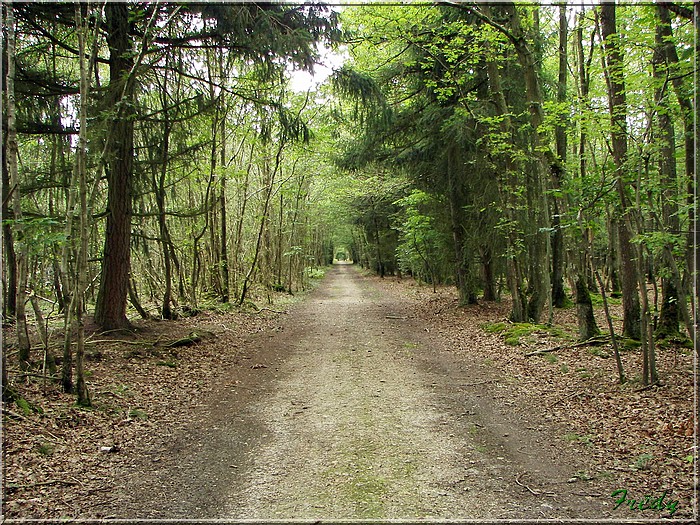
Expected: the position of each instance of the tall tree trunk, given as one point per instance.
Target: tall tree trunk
(465, 283)
(683, 88)
(110, 308)
(614, 73)
(508, 189)
(543, 165)
(9, 269)
(23, 342)
(668, 317)
(588, 327)
(558, 293)
(84, 232)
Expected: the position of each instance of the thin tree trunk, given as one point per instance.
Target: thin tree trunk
(618, 114)
(588, 327)
(84, 227)
(23, 342)
(508, 191)
(558, 293)
(263, 221)
(223, 255)
(9, 303)
(668, 317)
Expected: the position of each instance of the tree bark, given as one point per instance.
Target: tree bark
(584, 305)
(23, 343)
(684, 94)
(558, 293)
(84, 231)
(618, 115)
(508, 191)
(110, 308)
(668, 317)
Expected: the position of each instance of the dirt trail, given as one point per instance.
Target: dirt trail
(352, 409)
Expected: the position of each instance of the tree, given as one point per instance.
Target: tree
(614, 74)
(12, 148)
(110, 308)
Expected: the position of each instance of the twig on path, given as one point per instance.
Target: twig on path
(41, 484)
(575, 394)
(526, 453)
(258, 310)
(12, 414)
(402, 318)
(593, 495)
(533, 492)
(592, 341)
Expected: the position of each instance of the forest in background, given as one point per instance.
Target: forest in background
(156, 162)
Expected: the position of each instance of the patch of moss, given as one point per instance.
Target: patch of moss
(598, 352)
(630, 344)
(27, 407)
(583, 373)
(494, 328)
(138, 413)
(515, 332)
(597, 300)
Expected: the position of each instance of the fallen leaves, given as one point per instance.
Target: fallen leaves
(641, 438)
(63, 461)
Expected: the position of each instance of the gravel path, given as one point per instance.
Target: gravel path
(352, 409)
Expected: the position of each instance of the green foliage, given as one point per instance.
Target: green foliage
(421, 247)
(27, 407)
(495, 328)
(315, 273)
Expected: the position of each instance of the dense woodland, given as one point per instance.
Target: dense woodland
(156, 161)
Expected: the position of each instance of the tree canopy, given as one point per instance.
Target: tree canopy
(157, 162)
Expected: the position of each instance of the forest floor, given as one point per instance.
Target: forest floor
(369, 399)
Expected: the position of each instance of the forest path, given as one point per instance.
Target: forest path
(353, 409)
